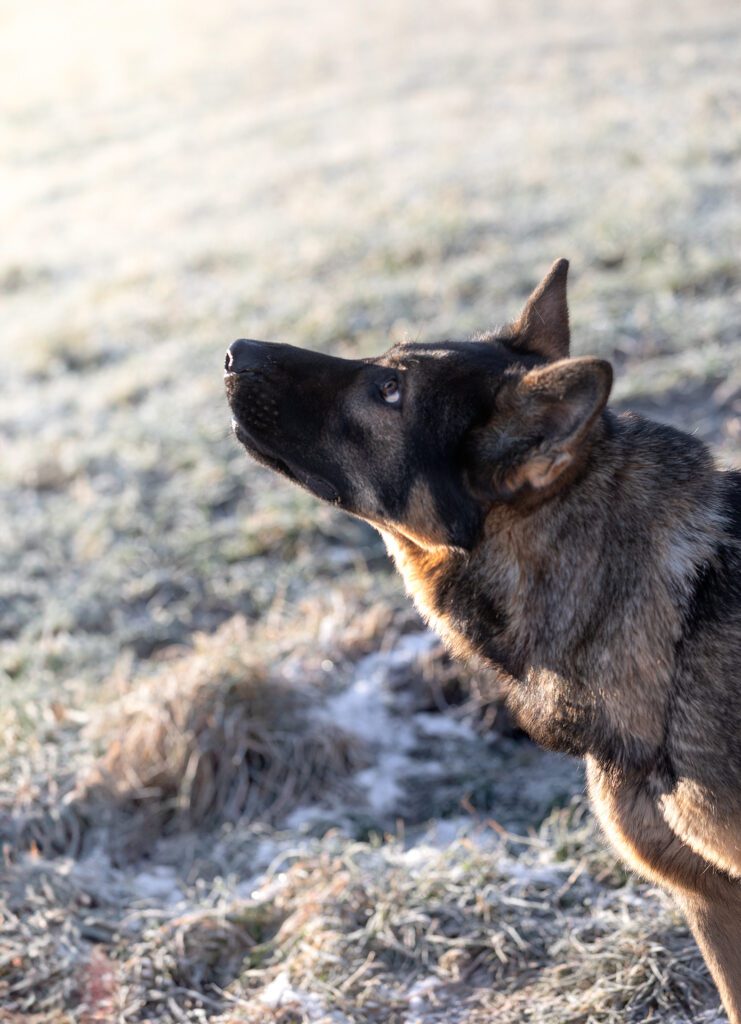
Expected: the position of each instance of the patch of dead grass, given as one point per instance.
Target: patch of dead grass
(495, 930)
(212, 737)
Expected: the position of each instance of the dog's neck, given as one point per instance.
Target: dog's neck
(581, 600)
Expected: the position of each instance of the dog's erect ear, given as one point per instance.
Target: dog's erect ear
(543, 325)
(539, 429)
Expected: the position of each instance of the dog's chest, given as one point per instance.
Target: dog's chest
(464, 605)
(471, 606)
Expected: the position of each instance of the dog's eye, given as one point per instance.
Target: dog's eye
(390, 391)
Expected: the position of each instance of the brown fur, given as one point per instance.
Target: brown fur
(594, 585)
(592, 630)
(594, 560)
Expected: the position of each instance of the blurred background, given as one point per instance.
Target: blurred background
(238, 780)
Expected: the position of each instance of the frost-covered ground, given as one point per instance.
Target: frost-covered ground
(240, 782)
(210, 876)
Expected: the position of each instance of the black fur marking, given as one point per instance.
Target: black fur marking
(462, 516)
(717, 594)
(472, 613)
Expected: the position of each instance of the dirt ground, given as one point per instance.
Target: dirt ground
(238, 781)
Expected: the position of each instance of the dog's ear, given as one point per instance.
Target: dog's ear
(542, 327)
(535, 439)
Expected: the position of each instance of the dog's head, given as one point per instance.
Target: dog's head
(424, 439)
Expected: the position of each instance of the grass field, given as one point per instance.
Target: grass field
(239, 781)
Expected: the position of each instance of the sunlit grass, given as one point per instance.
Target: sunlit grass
(178, 175)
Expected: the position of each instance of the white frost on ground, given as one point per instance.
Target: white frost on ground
(382, 784)
(418, 998)
(248, 866)
(444, 831)
(281, 994)
(443, 725)
(371, 709)
(366, 707)
(159, 883)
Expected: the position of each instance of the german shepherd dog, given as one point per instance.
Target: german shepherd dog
(592, 558)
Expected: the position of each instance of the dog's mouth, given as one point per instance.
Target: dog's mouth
(318, 485)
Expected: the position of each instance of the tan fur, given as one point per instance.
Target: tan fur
(421, 523)
(711, 831)
(594, 560)
(650, 837)
(682, 837)
(540, 472)
(716, 925)
(418, 565)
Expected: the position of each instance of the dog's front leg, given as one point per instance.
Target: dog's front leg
(716, 924)
(629, 810)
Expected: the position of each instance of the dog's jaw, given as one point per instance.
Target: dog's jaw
(316, 485)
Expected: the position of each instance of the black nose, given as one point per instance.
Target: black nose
(242, 354)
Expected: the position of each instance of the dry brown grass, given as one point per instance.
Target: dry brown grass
(176, 175)
(213, 737)
(234, 918)
(487, 928)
